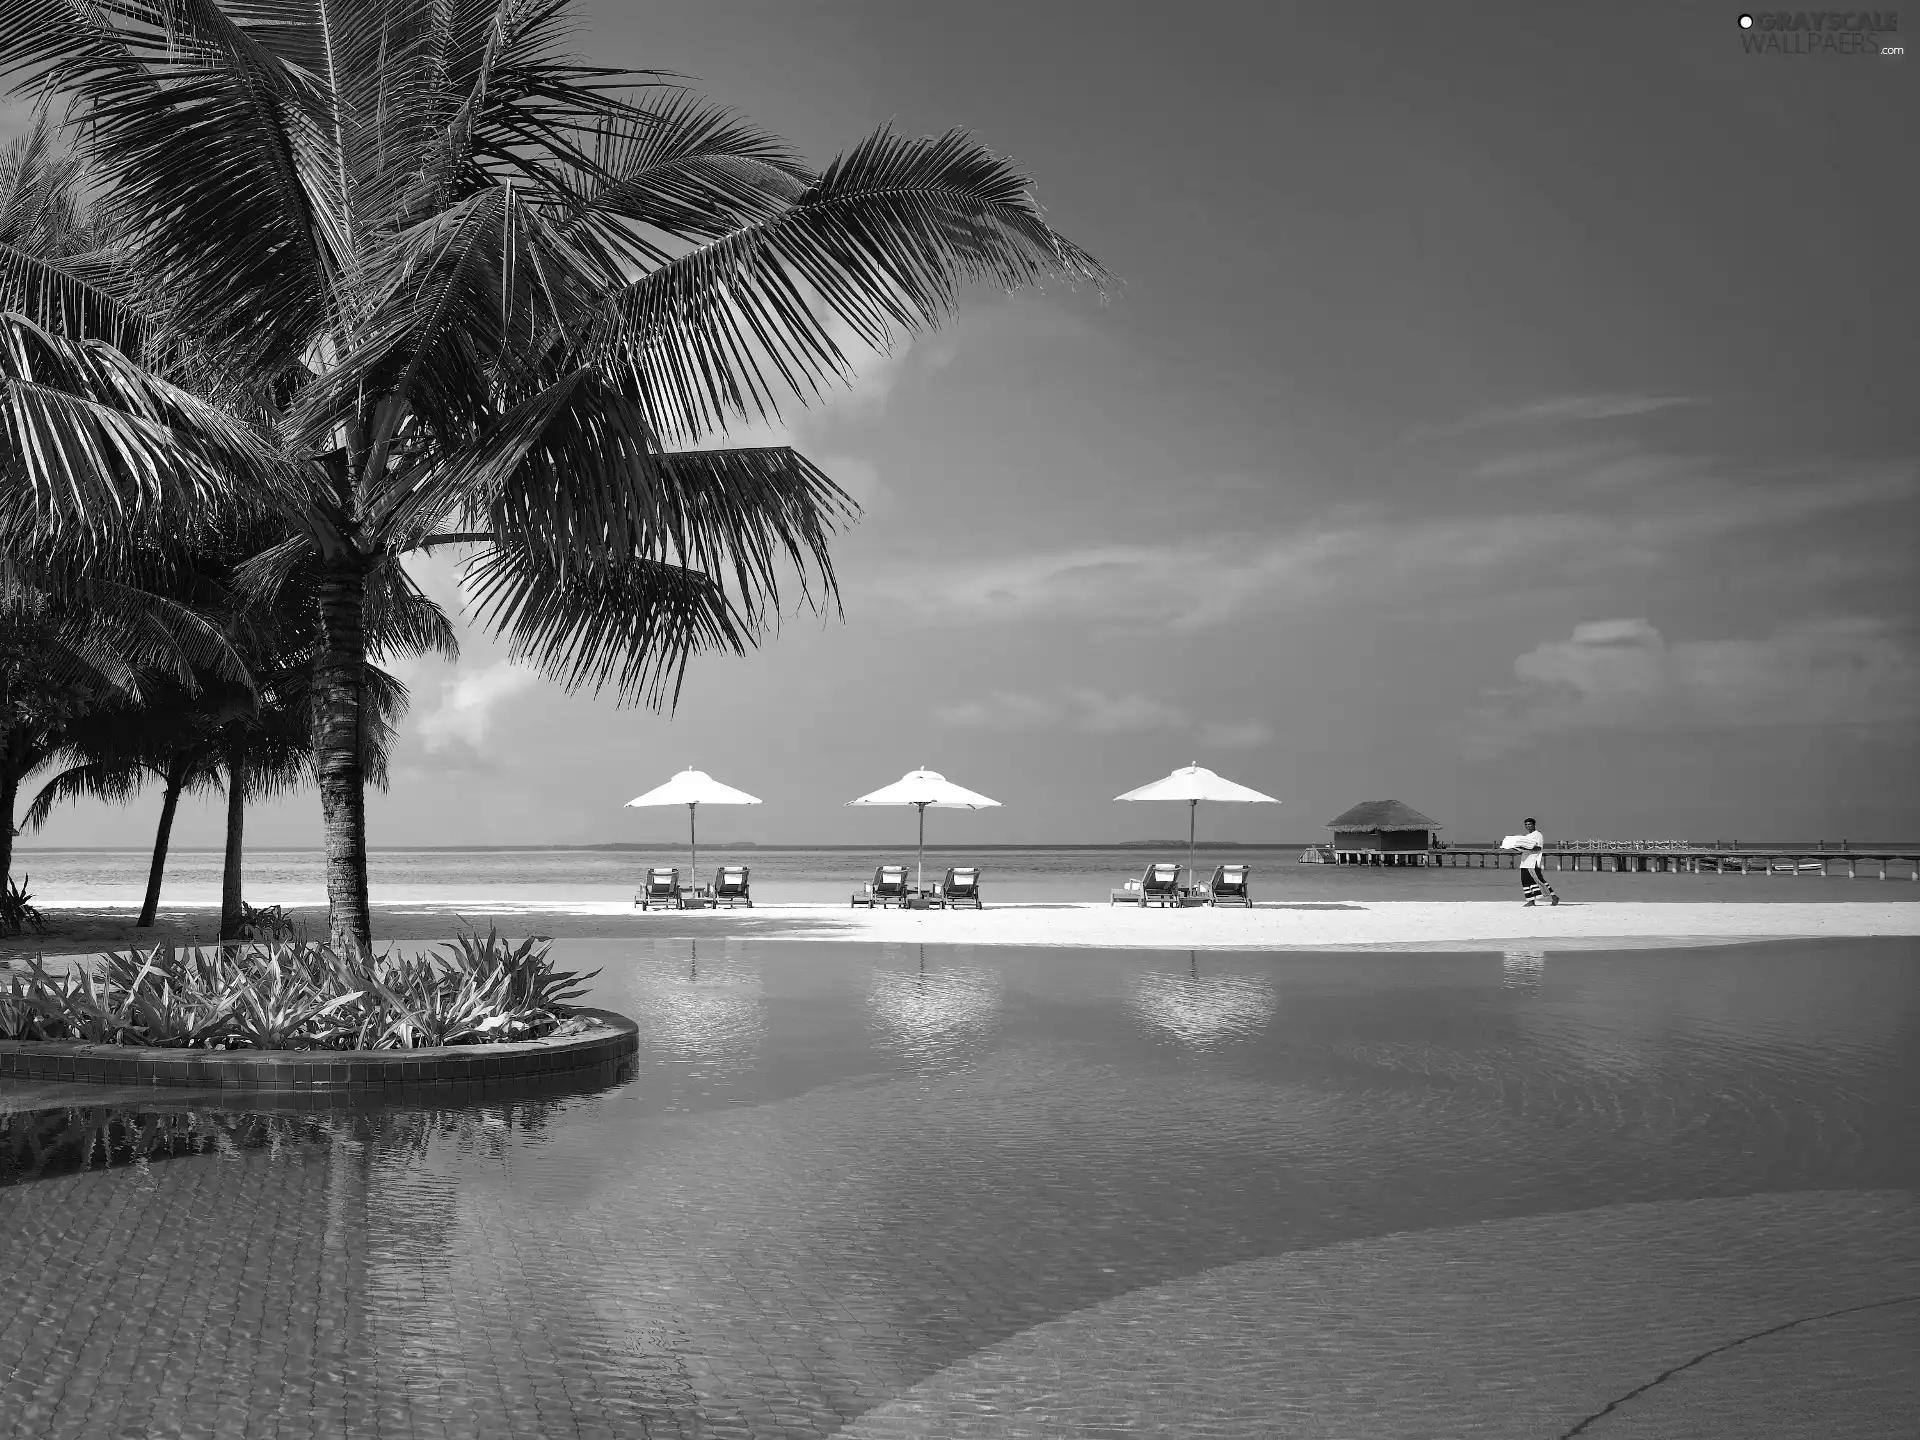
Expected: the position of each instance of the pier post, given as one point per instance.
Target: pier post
(1853, 868)
(1883, 867)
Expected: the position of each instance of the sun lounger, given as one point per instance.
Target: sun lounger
(662, 889)
(730, 886)
(960, 889)
(888, 887)
(1159, 886)
(1229, 886)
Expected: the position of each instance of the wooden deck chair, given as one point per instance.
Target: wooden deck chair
(730, 886)
(1160, 885)
(888, 887)
(1229, 886)
(960, 889)
(662, 889)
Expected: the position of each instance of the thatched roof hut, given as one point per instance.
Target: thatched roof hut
(1384, 825)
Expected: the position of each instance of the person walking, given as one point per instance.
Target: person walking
(1533, 875)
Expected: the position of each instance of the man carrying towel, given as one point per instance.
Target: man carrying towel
(1533, 879)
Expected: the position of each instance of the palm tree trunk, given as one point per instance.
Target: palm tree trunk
(176, 780)
(230, 891)
(340, 683)
(9, 795)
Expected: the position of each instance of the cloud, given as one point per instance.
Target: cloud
(1187, 585)
(467, 704)
(1091, 712)
(1614, 522)
(1236, 735)
(1101, 714)
(1565, 409)
(1094, 712)
(1001, 710)
(1626, 675)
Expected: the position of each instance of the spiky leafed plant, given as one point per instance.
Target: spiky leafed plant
(485, 296)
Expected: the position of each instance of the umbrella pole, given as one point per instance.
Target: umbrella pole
(693, 844)
(920, 864)
(1193, 809)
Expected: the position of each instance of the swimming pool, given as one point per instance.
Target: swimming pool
(874, 1190)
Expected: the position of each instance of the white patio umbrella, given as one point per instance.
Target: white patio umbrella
(1193, 784)
(920, 789)
(693, 788)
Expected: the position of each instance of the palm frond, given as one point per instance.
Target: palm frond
(584, 487)
(632, 624)
(402, 620)
(95, 780)
(62, 299)
(883, 242)
(190, 121)
(94, 440)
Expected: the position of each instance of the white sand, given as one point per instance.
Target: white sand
(1323, 925)
(1454, 924)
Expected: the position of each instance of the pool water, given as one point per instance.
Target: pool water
(880, 1190)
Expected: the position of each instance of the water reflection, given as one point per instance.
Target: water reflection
(713, 1011)
(1203, 1010)
(934, 1018)
(1522, 969)
(40, 1144)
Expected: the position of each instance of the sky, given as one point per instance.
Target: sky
(1506, 409)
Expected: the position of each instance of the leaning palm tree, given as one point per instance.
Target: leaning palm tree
(464, 291)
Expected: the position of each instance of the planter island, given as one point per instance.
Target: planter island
(590, 1039)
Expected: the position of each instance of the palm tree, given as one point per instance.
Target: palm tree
(70, 636)
(167, 735)
(252, 740)
(258, 733)
(70, 643)
(463, 291)
(270, 750)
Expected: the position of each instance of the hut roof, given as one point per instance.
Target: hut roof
(1382, 815)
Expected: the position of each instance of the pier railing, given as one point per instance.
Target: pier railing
(1654, 857)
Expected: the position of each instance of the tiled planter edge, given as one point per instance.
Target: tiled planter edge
(270, 1072)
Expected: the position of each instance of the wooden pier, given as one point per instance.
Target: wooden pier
(1665, 859)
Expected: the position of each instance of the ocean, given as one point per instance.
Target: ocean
(824, 875)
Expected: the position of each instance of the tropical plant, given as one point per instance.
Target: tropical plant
(17, 910)
(466, 292)
(270, 923)
(476, 990)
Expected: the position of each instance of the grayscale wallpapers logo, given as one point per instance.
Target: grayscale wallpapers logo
(1822, 32)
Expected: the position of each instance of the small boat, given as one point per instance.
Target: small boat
(1314, 855)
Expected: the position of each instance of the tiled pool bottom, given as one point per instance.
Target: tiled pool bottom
(1006, 1192)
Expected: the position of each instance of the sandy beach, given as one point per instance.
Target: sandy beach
(1408, 924)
